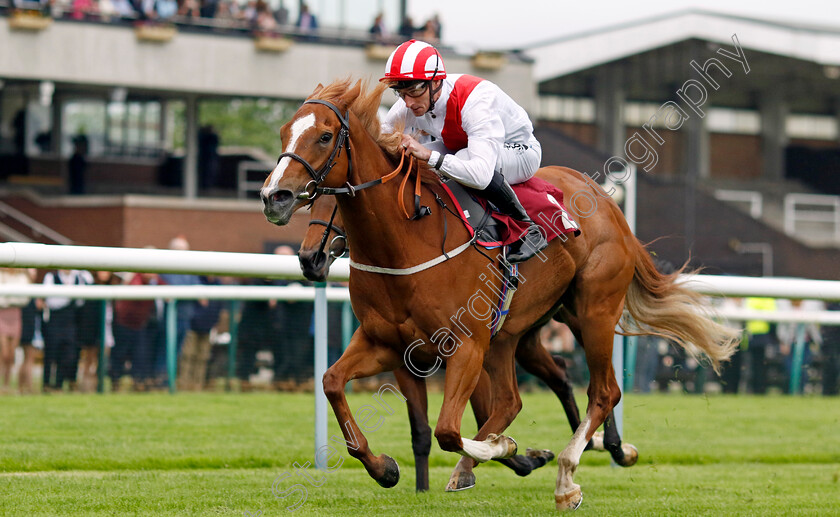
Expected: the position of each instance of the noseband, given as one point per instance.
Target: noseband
(343, 140)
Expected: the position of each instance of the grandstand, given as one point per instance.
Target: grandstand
(720, 187)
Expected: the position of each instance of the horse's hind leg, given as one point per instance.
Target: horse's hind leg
(623, 454)
(598, 313)
(413, 389)
(362, 358)
(536, 360)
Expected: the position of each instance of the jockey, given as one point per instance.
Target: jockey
(478, 135)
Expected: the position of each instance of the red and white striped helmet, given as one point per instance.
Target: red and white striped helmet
(414, 60)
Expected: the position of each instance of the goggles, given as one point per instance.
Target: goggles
(413, 89)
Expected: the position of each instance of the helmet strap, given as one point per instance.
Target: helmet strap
(433, 91)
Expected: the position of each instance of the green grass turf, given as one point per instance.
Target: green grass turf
(218, 454)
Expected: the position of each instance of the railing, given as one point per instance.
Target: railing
(754, 199)
(37, 228)
(828, 215)
(244, 183)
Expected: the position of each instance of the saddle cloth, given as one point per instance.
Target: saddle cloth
(542, 200)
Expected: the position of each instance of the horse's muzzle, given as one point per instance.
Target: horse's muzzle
(315, 265)
(278, 205)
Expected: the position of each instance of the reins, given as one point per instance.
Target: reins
(343, 140)
(318, 177)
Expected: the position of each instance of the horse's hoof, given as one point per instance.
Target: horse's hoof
(505, 441)
(460, 481)
(392, 473)
(631, 455)
(570, 500)
(540, 454)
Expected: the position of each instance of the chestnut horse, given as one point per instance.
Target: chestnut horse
(416, 312)
(326, 240)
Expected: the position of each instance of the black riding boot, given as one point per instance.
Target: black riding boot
(500, 194)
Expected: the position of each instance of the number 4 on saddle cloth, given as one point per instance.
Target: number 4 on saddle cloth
(542, 200)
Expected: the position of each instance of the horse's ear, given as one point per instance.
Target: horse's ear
(316, 91)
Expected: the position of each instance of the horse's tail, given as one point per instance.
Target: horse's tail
(659, 306)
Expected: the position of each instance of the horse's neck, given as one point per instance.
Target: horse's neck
(376, 227)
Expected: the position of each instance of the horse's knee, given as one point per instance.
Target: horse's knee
(333, 384)
(448, 439)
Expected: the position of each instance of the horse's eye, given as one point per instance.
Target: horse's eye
(326, 137)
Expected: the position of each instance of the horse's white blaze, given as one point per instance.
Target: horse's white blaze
(299, 127)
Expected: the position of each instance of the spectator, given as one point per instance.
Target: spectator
(307, 22)
(123, 9)
(189, 8)
(209, 8)
(831, 355)
(78, 164)
(196, 351)
(228, 10)
(730, 376)
(29, 320)
(84, 9)
(293, 353)
(428, 33)
(59, 330)
(184, 310)
(255, 332)
(135, 330)
(281, 14)
(265, 23)
(10, 323)
(436, 26)
(89, 323)
(761, 343)
(378, 31)
(790, 333)
(407, 28)
(249, 13)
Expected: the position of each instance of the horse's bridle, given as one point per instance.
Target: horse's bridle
(343, 140)
(330, 226)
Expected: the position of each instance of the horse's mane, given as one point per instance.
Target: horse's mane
(364, 102)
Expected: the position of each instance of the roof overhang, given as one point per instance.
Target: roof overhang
(571, 54)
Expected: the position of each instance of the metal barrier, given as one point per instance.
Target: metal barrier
(754, 199)
(829, 215)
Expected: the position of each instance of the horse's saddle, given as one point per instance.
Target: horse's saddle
(473, 213)
(542, 200)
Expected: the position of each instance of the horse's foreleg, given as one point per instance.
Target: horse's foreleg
(481, 401)
(603, 393)
(413, 389)
(462, 374)
(362, 358)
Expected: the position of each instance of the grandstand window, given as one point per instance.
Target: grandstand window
(566, 109)
(818, 127)
(134, 128)
(84, 117)
(727, 120)
(639, 113)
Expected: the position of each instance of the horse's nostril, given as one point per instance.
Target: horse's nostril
(282, 197)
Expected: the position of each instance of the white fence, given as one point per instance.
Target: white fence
(275, 266)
